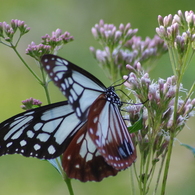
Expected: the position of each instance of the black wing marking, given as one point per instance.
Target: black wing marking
(43, 132)
(79, 86)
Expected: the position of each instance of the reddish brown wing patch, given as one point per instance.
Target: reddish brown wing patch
(82, 160)
(109, 133)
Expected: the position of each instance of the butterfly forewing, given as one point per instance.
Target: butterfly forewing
(109, 133)
(82, 160)
(42, 132)
(80, 87)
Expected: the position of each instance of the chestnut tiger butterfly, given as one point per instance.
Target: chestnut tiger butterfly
(87, 130)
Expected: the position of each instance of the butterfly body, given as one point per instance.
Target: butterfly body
(87, 130)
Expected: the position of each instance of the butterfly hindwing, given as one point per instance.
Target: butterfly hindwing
(82, 160)
(110, 134)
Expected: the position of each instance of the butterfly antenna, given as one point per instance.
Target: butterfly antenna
(119, 83)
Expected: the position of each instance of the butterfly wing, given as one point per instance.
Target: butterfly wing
(79, 86)
(109, 133)
(52, 130)
(93, 102)
(82, 160)
(43, 132)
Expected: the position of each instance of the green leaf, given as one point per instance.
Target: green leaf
(137, 125)
(190, 148)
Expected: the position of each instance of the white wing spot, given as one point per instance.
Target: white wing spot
(63, 86)
(56, 78)
(9, 144)
(89, 157)
(46, 60)
(43, 137)
(80, 139)
(23, 143)
(30, 133)
(77, 166)
(91, 131)
(37, 147)
(69, 157)
(51, 150)
(116, 158)
(47, 67)
(110, 157)
(95, 120)
(65, 62)
(38, 126)
(103, 151)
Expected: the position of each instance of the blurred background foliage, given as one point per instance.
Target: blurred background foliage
(28, 176)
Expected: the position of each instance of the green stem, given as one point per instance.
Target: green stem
(172, 59)
(45, 85)
(31, 71)
(69, 185)
(65, 177)
(132, 181)
(172, 133)
(167, 164)
(146, 172)
(159, 174)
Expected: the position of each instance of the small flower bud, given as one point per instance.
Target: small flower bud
(161, 32)
(94, 32)
(167, 20)
(160, 20)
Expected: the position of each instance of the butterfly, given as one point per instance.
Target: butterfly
(87, 130)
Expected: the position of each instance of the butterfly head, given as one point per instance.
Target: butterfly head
(112, 97)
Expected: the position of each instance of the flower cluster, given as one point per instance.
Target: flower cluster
(36, 51)
(108, 35)
(178, 30)
(30, 103)
(161, 123)
(49, 44)
(121, 46)
(161, 100)
(7, 31)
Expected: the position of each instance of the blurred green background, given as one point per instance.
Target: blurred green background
(28, 176)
